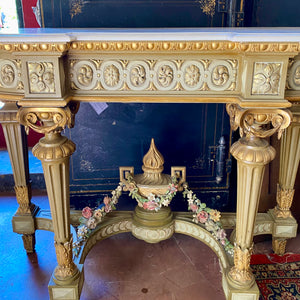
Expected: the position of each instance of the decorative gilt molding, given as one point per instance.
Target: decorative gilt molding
(46, 120)
(66, 267)
(241, 272)
(7, 117)
(253, 121)
(154, 75)
(34, 47)
(284, 200)
(177, 46)
(266, 78)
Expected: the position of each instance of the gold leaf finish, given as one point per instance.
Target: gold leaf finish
(284, 200)
(23, 195)
(66, 267)
(241, 272)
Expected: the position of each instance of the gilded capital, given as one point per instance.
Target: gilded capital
(47, 119)
(53, 146)
(256, 122)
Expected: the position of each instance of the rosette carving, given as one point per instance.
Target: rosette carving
(192, 75)
(165, 75)
(111, 75)
(46, 120)
(85, 75)
(138, 75)
(220, 75)
(257, 122)
(266, 78)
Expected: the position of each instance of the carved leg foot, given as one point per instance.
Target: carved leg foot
(279, 245)
(29, 242)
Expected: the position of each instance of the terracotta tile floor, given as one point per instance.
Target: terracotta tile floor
(120, 267)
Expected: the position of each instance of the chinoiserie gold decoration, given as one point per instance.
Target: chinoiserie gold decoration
(253, 122)
(284, 200)
(23, 195)
(46, 120)
(35, 47)
(279, 245)
(179, 46)
(241, 272)
(66, 267)
(266, 78)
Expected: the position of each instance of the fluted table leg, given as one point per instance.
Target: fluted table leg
(16, 142)
(54, 151)
(252, 153)
(285, 224)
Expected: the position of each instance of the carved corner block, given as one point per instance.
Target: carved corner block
(44, 77)
(264, 78)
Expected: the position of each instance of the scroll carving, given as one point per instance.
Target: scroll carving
(46, 120)
(256, 122)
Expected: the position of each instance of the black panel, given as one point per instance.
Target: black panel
(186, 134)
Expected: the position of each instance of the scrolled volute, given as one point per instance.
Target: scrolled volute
(47, 119)
(258, 122)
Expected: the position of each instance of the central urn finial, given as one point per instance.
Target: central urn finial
(152, 219)
(153, 160)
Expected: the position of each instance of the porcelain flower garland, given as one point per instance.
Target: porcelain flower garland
(210, 218)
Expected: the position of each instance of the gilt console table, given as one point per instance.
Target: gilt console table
(45, 74)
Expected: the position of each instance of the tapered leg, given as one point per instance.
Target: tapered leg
(252, 153)
(15, 137)
(289, 162)
(54, 151)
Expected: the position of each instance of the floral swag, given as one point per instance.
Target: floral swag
(202, 215)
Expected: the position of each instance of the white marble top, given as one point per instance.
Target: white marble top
(157, 34)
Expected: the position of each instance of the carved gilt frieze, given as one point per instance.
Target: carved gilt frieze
(41, 77)
(266, 78)
(154, 75)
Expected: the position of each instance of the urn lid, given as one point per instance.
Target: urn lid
(153, 165)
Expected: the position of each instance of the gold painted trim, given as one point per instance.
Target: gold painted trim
(202, 46)
(35, 47)
(154, 46)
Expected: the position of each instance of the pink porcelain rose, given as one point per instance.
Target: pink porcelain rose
(194, 207)
(87, 212)
(150, 205)
(202, 216)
